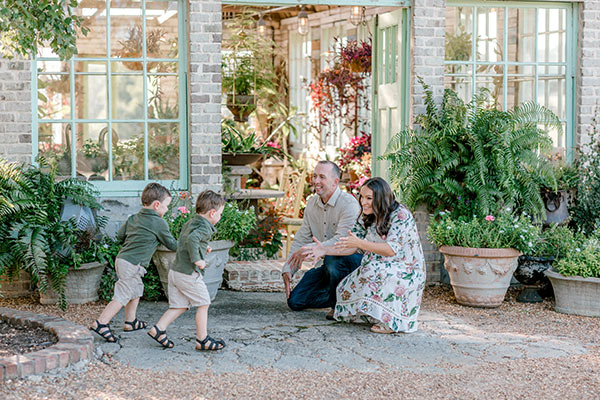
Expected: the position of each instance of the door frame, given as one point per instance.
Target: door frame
(366, 3)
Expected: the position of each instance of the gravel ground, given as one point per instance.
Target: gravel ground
(18, 340)
(574, 377)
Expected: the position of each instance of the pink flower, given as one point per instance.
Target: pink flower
(183, 210)
(490, 218)
(385, 318)
(275, 145)
(399, 291)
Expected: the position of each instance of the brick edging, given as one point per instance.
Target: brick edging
(75, 343)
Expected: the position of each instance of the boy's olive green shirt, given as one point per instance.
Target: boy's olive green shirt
(142, 233)
(193, 241)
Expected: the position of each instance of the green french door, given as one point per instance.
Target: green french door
(390, 73)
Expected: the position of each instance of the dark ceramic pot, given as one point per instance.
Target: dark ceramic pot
(530, 272)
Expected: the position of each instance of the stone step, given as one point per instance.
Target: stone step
(258, 276)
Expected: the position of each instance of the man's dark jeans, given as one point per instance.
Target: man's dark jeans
(317, 287)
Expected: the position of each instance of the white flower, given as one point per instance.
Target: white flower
(577, 249)
(442, 213)
(530, 244)
(105, 246)
(522, 237)
(448, 227)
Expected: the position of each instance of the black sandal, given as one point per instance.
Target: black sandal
(136, 325)
(210, 344)
(106, 334)
(164, 342)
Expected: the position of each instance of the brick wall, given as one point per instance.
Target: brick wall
(427, 51)
(588, 71)
(15, 110)
(205, 94)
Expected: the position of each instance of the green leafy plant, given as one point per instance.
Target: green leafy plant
(235, 223)
(27, 25)
(266, 235)
(497, 231)
(473, 158)
(555, 241)
(586, 214)
(237, 138)
(32, 236)
(582, 260)
(110, 248)
(152, 287)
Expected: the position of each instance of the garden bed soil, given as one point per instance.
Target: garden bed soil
(20, 340)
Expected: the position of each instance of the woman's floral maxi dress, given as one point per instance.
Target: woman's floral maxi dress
(386, 289)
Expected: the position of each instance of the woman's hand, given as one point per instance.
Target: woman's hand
(349, 242)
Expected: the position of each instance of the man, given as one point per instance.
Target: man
(327, 217)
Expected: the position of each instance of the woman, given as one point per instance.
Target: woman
(388, 286)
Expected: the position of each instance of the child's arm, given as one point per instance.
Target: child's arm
(196, 247)
(164, 236)
(121, 232)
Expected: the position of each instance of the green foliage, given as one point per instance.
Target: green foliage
(235, 224)
(472, 158)
(582, 260)
(586, 214)
(555, 241)
(109, 248)
(492, 231)
(152, 286)
(234, 141)
(27, 25)
(458, 46)
(31, 233)
(266, 234)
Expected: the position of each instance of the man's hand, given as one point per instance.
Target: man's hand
(295, 260)
(287, 278)
(200, 264)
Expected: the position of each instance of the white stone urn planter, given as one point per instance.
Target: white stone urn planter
(81, 285)
(164, 259)
(575, 295)
(480, 277)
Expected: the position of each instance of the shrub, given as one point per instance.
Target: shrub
(496, 232)
(582, 260)
(555, 241)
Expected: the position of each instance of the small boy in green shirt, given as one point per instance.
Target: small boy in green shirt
(186, 286)
(141, 235)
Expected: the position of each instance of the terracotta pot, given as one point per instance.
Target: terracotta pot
(164, 259)
(81, 286)
(575, 295)
(480, 277)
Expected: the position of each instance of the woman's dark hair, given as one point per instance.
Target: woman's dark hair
(384, 203)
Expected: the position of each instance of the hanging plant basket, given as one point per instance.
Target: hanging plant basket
(241, 106)
(240, 158)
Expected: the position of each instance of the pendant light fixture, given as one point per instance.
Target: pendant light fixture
(303, 22)
(357, 15)
(261, 25)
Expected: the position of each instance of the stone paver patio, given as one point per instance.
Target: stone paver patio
(261, 331)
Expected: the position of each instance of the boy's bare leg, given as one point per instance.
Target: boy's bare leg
(109, 312)
(201, 322)
(167, 318)
(130, 312)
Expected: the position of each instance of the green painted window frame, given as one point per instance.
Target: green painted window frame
(127, 187)
(570, 62)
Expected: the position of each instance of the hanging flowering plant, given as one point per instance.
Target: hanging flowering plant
(355, 160)
(342, 90)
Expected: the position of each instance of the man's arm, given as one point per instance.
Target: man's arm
(302, 238)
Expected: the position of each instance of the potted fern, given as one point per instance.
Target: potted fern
(32, 236)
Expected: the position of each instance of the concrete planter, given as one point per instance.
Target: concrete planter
(81, 286)
(480, 277)
(20, 286)
(575, 295)
(164, 259)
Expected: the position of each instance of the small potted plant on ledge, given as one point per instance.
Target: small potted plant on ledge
(576, 278)
(234, 226)
(556, 198)
(481, 253)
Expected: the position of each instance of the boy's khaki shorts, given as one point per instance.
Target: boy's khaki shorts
(187, 291)
(130, 285)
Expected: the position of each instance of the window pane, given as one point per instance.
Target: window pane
(521, 34)
(459, 33)
(163, 152)
(54, 144)
(163, 96)
(54, 96)
(128, 151)
(459, 77)
(491, 77)
(521, 85)
(162, 66)
(52, 66)
(161, 29)
(128, 96)
(552, 89)
(94, 14)
(558, 139)
(126, 29)
(490, 34)
(551, 35)
(92, 151)
(91, 101)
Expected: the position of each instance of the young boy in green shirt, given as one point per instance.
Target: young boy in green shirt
(141, 235)
(186, 286)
